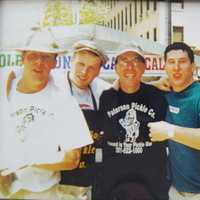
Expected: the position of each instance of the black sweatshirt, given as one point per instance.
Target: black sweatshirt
(129, 155)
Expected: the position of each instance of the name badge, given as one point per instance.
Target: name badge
(98, 155)
(174, 109)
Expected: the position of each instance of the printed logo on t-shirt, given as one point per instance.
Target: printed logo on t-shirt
(174, 109)
(27, 116)
(131, 125)
(90, 153)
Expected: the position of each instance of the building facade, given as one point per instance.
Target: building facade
(159, 21)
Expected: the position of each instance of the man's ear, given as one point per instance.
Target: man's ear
(72, 59)
(54, 66)
(99, 70)
(56, 55)
(10, 78)
(143, 68)
(116, 68)
(165, 69)
(194, 68)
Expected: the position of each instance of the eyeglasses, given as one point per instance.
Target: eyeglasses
(34, 57)
(134, 61)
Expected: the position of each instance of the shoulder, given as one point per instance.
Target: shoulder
(99, 85)
(59, 77)
(107, 99)
(155, 97)
(197, 86)
(196, 91)
(108, 95)
(153, 91)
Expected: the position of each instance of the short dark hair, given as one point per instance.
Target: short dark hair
(179, 46)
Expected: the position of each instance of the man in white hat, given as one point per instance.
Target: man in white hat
(40, 125)
(87, 60)
(86, 63)
(134, 167)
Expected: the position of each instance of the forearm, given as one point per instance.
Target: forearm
(70, 161)
(162, 84)
(187, 136)
(56, 166)
(160, 131)
(153, 83)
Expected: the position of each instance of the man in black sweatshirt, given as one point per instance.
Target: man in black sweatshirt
(134, 167)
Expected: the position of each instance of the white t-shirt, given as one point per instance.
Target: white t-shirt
(37, 125)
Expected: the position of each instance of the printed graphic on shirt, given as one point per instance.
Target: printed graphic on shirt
(26, 117)
(131, 125)
(90, 152)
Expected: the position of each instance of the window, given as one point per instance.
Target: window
(141, 9)
(135, 12)
(114, 2)
(147, 34)
(122, 20)
(118, 21)
(155, 5)
(126, 16)
(130, 10)
(155, 34)
(178, 4)
(178, 35)
(148, 5)
(115, 23)
(182, 4)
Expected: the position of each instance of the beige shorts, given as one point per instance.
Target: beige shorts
(176, 195)
(57, 192)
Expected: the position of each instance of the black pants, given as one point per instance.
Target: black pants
(126, 191)
(119, 181)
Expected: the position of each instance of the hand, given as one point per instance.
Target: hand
(115, 85)
(162, 84)
(5, 183)
(72, 158)
(160, 131)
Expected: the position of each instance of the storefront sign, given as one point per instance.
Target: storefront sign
(154, 63)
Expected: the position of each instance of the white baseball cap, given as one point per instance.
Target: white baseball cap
(133, 47)
(90, 45)
(42, 40)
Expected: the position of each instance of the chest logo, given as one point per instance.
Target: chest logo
(174, 109)
(131, 125)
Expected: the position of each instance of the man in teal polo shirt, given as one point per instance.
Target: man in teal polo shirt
(183, 111)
